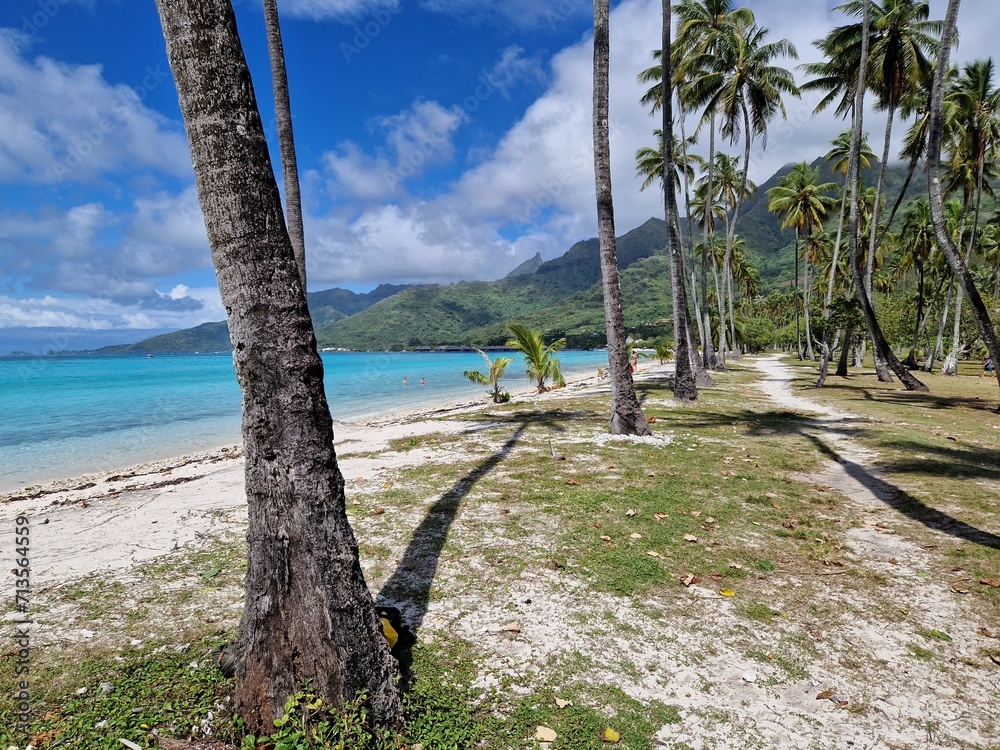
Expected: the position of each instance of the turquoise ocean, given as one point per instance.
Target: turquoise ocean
(64, 416)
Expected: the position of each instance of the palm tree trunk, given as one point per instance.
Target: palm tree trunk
(731, 224)
(879, 344)
(844, 353)
(308, 613)
(881, 368)
(798, 331)
(626, 415)
(911, 359)
(732, 315)
(836, 249)
(286, 141)
(709, 353)
(899, 201)
(684, 380)
(939, 344)
(806, 289)
(689, 235)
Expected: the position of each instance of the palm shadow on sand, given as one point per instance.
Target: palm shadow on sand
(409, 586)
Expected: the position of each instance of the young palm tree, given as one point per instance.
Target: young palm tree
(495, 369)
(935, 133)
(626, 415)
(286, 140)
(540, 362)
(308, 615)
(803, 203)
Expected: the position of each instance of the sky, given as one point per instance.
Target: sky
(437, 141)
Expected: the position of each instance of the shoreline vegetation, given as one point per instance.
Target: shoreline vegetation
(780, 563)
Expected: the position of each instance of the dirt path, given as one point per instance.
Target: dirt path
(903, 699)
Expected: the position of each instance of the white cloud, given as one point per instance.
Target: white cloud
(514, 68)
(415, 139)
(89, 249)
(62, 122)
(96, 314)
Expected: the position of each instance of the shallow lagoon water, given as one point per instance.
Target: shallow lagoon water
(64, 416)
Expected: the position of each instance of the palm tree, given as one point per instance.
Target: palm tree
(308, 615)
(902, 37)
(803, 203)
(626, 415)
(917, 242)
(540, 362)
(879, 343)
(701, 24)
(935, 133)
(286, 140)
(649, 162)
(685, 387)
(970, 125)
(495, 369)
(840, 156)
(741, 85)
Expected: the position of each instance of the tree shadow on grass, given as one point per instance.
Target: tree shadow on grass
(409, 586)
(905, 503)
(964, 460)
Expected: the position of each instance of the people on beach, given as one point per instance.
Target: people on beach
(422, 382)
(988, 370)
(404, 381)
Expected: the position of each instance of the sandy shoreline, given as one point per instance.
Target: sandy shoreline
(113, 519)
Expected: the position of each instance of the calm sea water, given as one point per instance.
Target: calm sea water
(63, 416)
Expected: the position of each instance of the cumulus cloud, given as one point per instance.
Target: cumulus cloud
(91, 250)
(414, 139)
(97, 314)
(513, 68)
(62, 122)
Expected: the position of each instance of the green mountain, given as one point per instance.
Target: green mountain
(562, 296)
(325, 307)
(529, 266)
(475, 312)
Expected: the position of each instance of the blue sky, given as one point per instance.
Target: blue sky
(438, 141)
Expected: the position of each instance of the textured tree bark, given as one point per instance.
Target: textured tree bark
(286, 141)
(308, 613)
(626, 414)
(880, 345)
(958, 265)
(685, 387)
(939, 342)
(844, 353)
